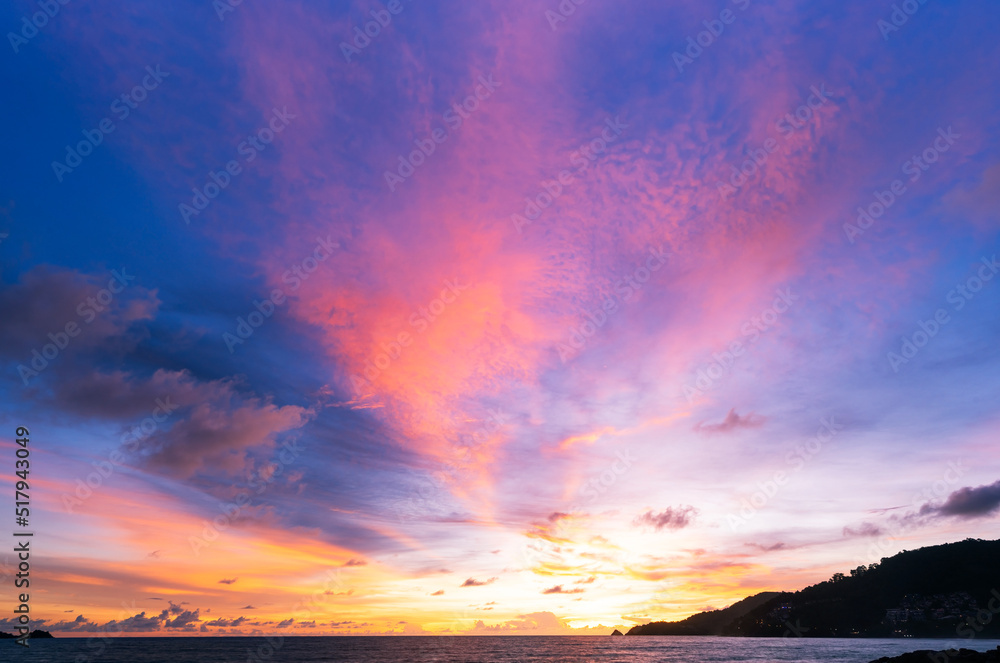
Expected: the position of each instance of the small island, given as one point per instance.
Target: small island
(37, 634)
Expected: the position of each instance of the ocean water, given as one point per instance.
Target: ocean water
(469, 649)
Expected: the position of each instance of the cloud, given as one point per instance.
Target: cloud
(81, 623)
(286, 623)
(355, 562)
(472, 582)
(865, 529)
(186, 620)
(46, 299)
(228, 581)
(671, 518)
(248, 607)
(965, 503)
(968, 502)
(770, 547)
(732, 422)
(136, 623)
(439, 592)
(207, 426)
(217, 437)
(226, 623)
(558, 589)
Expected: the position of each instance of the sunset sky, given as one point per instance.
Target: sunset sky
(474, 325)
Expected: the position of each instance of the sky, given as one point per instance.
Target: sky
(499, 317)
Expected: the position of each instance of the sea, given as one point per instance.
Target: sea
(469, 649)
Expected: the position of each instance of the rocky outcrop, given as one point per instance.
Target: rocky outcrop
(947, 656)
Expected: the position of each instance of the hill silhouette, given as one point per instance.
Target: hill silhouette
(713, 622)
(946, 591)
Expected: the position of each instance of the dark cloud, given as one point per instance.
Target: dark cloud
(218, 436)
(208, 425)
(46, 299)
(965, 503)
(558, 589)
(204, 425)
(732, 422)
(185, 620)
(355, 562)
(228, 581)
(670, 518)
(972, 502)
(136, 623)
(81, 623)
(226, 623)
(286, 623)
(472, 582)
